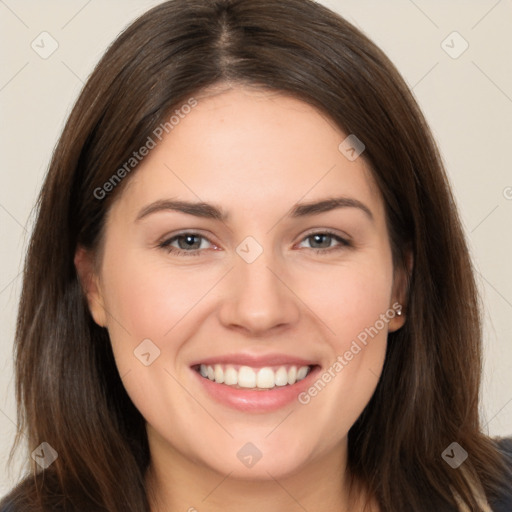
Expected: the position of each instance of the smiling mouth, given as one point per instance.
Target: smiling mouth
(246, 377)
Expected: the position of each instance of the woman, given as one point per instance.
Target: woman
(248, 283)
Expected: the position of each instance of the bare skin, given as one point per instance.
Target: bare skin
(255, 156)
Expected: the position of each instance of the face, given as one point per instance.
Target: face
(247, 284)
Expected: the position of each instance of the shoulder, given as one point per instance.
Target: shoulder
(505, 445)
(503, 503)
(18, 499)
(6, 505)
(24, 497)
(41, 493)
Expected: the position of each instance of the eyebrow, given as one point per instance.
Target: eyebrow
(209, 211)
(326, 205)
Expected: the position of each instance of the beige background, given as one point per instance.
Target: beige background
(467, 100)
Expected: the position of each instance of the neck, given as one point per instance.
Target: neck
(177, 484)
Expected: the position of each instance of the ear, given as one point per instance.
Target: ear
(400, 293)
(87, 274)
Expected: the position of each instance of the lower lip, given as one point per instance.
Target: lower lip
(254, 400)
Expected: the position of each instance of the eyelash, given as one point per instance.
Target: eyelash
(166, 244)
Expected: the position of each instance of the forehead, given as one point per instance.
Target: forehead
(250, 149)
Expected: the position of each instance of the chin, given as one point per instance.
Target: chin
(259, 459)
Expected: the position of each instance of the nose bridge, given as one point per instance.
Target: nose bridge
(255, 298)
(255, 278)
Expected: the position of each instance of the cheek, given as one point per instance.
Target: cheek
(352, 302)
(348, 299)
(150, 299)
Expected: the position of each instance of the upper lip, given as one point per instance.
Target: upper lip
(255, 361)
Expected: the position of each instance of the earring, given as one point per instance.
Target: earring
(399, 312)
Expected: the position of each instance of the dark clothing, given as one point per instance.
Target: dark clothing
(504, 502)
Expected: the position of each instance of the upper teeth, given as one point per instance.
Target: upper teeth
(247, 377)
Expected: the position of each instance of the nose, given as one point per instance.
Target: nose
(257, 298)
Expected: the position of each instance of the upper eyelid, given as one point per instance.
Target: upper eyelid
(342, 240)
(327, 231)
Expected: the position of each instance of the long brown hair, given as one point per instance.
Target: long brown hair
(69, 392)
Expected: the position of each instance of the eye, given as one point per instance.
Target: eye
(324, 241)
(188, 244)
(192, 244)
